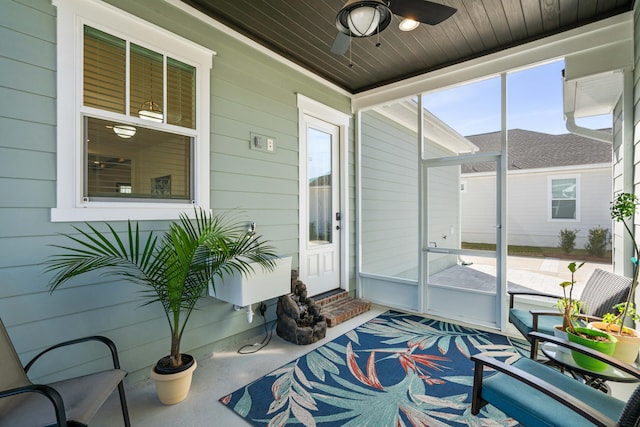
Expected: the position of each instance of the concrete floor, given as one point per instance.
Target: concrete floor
(542, 274)
(225, 371)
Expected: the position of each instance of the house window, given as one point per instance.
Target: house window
(564, 198)
(133, 143)
(124, 150)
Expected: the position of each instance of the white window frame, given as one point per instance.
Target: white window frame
(550, 180)
(72, 15)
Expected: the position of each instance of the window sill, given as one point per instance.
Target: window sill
(134, 212)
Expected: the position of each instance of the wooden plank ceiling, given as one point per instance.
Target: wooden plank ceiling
(304, 30)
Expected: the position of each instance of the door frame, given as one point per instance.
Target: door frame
(310, 107)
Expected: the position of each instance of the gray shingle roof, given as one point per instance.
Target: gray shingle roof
(531, 150)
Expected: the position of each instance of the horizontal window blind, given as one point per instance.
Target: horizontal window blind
(104, 71)
(181, 94)
(147, 71)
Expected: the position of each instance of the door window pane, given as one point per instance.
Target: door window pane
(320, 170)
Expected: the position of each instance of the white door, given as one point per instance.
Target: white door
(450, 275)
(320, 202)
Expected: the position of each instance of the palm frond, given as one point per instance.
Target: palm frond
(174, 270)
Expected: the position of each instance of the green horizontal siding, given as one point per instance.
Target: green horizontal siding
(27, 78)
(27, 135)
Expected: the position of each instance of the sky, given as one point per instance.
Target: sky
(534, 102)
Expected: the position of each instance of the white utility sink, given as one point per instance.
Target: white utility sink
(259, 286)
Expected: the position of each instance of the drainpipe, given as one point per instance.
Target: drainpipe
(598, 135)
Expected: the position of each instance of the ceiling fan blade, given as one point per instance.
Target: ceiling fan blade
(340, 44)
(423, 11)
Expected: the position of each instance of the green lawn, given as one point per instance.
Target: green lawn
(542, 252)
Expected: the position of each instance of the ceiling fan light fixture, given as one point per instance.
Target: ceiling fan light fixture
(124, 131)
(363, 21)
(151, 111)
(363, 18)
(408, 24)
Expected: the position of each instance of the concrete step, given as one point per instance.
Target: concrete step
(340, 307)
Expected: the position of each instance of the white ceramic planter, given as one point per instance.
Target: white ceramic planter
(627, 346)
(173, 388)
(562, 335)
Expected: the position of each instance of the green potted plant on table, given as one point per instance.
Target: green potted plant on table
(623, 209)
(568, 306)
(593, 338)
(174, 270)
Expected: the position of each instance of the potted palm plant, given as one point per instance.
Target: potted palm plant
(174, 270)
(623, 209)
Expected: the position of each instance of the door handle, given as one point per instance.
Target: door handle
(437, 250)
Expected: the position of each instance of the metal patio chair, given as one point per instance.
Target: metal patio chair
(602, 291)
(536, 394)
(71, 402)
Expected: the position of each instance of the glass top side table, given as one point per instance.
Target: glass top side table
(564, 360)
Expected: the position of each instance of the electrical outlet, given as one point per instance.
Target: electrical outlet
(264, 143)
(263, 309)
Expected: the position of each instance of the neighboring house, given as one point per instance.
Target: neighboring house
(554, 182)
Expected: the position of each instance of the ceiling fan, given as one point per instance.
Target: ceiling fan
(363, 18)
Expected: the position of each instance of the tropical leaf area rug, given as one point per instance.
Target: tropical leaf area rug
(395, 370)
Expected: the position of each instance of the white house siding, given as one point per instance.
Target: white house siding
(251, 92)
(389, 234)
(478, 224)
(528, 206)
(442, 209)
(389, 165)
